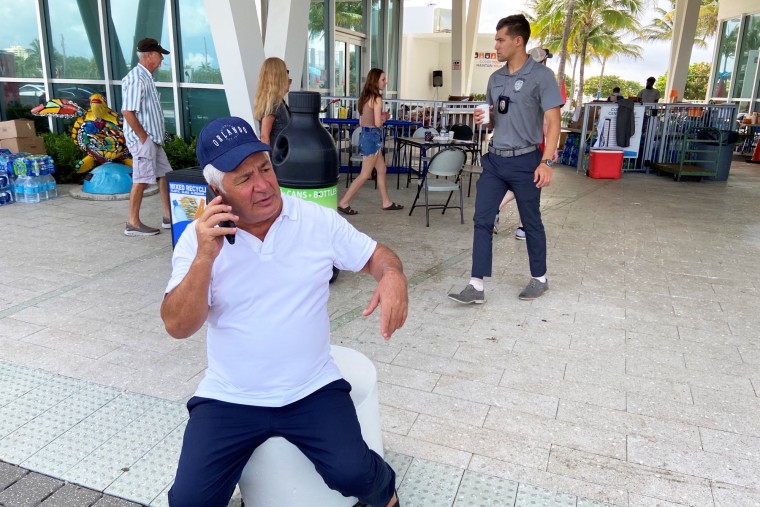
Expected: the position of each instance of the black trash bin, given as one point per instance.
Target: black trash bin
(723, 143)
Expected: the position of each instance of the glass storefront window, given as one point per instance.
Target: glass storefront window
(200, 106)
(725, 63)
(746, 75)
(198, 57)
(128, 22)
(318, 77)
(17, 99)
(167, 105)
(349, 14)
(75, 40)
(19, 44)
(340, 69)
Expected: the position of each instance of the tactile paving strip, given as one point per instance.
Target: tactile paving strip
(585, 502)
(531, 496)
(399, 463)
(478, 490)
(429, 484)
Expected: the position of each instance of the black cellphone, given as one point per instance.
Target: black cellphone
(503, 104)
(210, 194)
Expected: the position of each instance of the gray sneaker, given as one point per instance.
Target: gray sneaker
(496, 224)
(469, 295)
(166, 223)
(520, 233)
(141, 230)
(534, 290)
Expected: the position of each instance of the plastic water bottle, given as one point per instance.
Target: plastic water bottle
(41, 184)
(32, 189)
(19, 188)
(179, 212)
(52, 186)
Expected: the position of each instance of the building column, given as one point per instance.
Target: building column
(237, 37)
(287, 31)
(458, 46)
(684, 29)
(468, 62)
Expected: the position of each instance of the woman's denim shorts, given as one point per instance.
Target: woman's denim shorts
(370, 141)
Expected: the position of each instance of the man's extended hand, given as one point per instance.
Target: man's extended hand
(543, 175)
(391, 295)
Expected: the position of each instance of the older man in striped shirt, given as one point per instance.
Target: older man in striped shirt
(144, 133)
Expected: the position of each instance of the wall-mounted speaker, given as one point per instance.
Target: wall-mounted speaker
(437, 78)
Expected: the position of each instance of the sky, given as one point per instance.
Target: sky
(655, 56)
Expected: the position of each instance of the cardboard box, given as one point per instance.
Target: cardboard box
(34, 145)
(17, 128)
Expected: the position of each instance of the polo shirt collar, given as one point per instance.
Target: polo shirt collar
(289, 209)
(525, 69)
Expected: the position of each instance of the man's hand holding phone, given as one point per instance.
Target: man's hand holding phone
(216, 221)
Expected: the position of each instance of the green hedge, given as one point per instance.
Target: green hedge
(65, 155)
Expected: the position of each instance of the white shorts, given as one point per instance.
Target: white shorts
(148, 162)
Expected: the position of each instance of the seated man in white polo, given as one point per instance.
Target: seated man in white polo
(265, 301)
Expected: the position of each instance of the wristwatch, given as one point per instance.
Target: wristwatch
(549, 162)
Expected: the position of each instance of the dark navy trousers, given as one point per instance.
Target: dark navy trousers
(499, 175)
(220, 438)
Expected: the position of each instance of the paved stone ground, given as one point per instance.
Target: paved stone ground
(633, 382)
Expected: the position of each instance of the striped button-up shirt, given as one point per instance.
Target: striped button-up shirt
(139, 94)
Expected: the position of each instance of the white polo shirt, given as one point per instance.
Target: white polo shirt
(268, 339)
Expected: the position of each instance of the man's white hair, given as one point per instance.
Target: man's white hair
(213, 176)
(141, 55)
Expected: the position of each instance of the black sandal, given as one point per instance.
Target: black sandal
(348, 210)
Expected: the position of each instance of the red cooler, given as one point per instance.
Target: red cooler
(605, 164)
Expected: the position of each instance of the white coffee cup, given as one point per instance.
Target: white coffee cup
(451, 134)
(486, 112)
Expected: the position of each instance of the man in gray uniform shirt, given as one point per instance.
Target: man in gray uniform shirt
(523, 95)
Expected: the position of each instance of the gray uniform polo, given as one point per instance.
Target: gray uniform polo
(532, 90)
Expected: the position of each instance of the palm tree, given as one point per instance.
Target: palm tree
(594, 23)
(565, 40)
(609, 45)
(661, 27)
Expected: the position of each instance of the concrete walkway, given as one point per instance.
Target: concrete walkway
(633, 382)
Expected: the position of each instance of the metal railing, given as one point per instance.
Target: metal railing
(437, 114)
(663, 130)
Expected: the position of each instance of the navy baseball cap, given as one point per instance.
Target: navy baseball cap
(226, 142)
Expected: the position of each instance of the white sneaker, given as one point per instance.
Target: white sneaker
(520, 233)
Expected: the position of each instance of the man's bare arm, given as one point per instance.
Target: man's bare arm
(131, 118)
(391, 291)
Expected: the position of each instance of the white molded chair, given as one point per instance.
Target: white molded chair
(444, 164)
(278, 474)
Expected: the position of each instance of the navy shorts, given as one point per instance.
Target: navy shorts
(370, 141)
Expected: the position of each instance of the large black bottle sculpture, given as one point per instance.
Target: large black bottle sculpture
(304, 154)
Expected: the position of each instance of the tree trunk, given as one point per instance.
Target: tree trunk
(601, 76)
(565, 41)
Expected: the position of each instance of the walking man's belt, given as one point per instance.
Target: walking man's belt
(512, 153)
